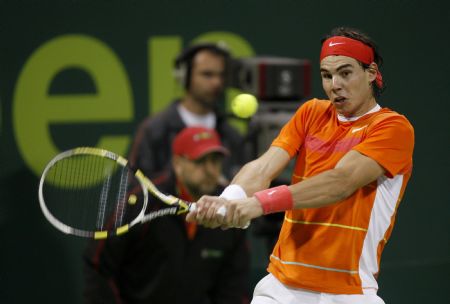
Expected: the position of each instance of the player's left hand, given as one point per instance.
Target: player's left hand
(238, 212)
(207, 212)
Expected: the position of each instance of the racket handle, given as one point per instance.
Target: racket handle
(221, 211)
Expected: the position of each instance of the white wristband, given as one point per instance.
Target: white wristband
(233, 191)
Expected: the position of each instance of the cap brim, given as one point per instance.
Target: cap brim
(203, 152)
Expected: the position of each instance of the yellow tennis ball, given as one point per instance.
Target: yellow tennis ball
(244, 105)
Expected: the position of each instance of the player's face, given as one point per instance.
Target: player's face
(207, 78)
(347, 85)
(200, 176)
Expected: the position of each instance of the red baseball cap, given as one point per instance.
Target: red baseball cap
(195, 142)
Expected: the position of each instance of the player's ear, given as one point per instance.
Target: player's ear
(372, 71)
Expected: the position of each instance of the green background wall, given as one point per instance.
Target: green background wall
(125, 43)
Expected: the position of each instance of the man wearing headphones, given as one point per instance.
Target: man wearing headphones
(201, 70)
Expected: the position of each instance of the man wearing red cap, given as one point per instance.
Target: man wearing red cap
(169, 260)
(353, 161)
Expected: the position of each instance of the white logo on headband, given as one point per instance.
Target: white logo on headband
(335, 43)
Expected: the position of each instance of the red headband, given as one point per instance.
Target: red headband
(344, 46)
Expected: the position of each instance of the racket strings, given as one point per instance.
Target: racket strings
(91, 193)
(121, 204)
(103, 202)
(81, 182)
(69, 177)
(102, 214)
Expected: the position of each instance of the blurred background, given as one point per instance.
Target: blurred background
(79, 72)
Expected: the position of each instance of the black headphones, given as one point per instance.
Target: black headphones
(183, 62)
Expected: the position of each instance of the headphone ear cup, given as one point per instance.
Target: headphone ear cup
(180, 74)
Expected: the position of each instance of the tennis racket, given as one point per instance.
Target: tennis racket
(95, 193)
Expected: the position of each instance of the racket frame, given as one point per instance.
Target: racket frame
(177, 205)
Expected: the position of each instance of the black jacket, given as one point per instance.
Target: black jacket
(157, 263)
(151, 151)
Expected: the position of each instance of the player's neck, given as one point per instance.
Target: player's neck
(367, 109)
(192, 105)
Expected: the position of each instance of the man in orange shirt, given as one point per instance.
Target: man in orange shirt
(353, 161)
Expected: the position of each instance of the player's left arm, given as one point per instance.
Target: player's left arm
(352, 172)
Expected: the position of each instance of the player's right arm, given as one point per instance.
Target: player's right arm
(259, 173)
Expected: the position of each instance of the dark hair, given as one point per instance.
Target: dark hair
(183, 62)
(364, 38)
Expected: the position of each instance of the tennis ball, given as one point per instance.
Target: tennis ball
(244, 105)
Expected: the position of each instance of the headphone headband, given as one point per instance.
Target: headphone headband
(183, 62)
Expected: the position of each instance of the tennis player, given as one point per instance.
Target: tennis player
(353, 161)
